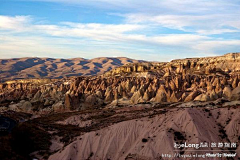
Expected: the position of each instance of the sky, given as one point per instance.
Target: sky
(154, 30)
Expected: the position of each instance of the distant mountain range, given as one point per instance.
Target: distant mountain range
(34, 67)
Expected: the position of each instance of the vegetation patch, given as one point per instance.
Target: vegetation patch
(25, 138)
(144, 140)
(222, 132)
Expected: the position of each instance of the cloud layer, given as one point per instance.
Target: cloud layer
(176, 28)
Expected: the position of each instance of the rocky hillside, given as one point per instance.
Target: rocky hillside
(22, 68)
(139, 132)
(177, 81)
(152, 134)
(136, 111)
(46, 96)
(226, 64)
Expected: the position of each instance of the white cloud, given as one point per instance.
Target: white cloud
(17, 23)
(31, 46)
(180, 39)
(217, 31)
(22, 36)
(101, 32)
(96, 31)
(136, 37)
(202, 24)
(199, 16)
(217, 45)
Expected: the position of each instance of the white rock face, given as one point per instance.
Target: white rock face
(125, 139)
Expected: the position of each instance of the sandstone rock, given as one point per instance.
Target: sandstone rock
(213, 95)
(227, 92)
(186, 85)
(92, 101)
(210, 88)
(68, 102)
(125, 94)
(146, 96)
(99, 94)
(202, 98)
(235, 82)
(208, 70)
(218, 88)
(161, 95)
(36, 97)
(59, 107)
(3, 109)
(220, 93)
(120, 89)
(48, 102)
(128, 86)
(179, 68)
(236, 94)
(26, 107)
(194, 86)
(166, 84)
(172, 85)
(168, 73)
(14, 107)
(224, 81)
(202, 84)
(136, 97)
(133, 89)
(119, 102)
(173, 98)
(116, 94)
(178, 82)
(215, 82)
(191, 96)
(109, 97)
(108, 90)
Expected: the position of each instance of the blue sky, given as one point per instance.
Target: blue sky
(156, 30)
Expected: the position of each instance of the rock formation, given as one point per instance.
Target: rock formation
(136, 111)
(99, 91)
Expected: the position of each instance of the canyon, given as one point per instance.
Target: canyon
(128, 109)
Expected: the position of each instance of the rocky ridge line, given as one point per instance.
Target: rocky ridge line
(178, 82)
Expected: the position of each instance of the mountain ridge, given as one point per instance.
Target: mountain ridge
(55, 68)
(36, 67)
(224, 64)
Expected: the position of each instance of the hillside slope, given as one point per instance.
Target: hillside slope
(151, 137)
(136, 111)
(228, 63)
(22, 68)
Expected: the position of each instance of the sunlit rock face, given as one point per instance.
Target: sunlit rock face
(195, 79)
(221, 64)
(136, 111)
